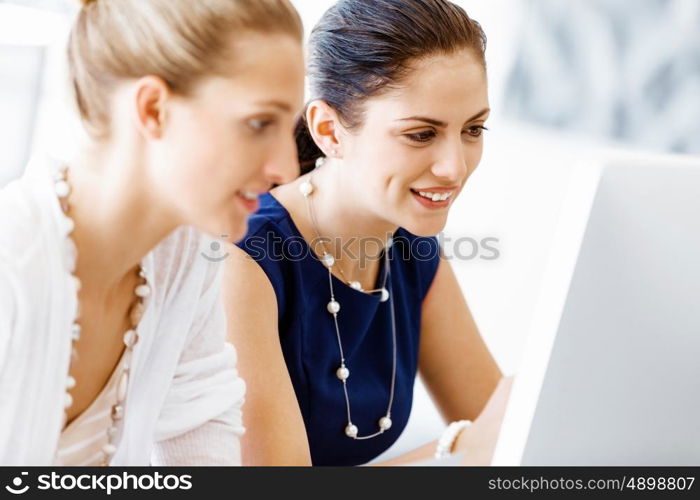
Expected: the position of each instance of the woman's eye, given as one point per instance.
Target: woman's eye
(476, 131)
(422, 136)
(258, 125)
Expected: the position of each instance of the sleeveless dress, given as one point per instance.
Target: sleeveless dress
(309, 342)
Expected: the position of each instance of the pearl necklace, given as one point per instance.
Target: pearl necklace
(333, 307)
(131, 337)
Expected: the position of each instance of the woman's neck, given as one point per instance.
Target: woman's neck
(117, 220)
(351, 233)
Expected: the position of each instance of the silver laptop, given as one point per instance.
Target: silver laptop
(611, 374)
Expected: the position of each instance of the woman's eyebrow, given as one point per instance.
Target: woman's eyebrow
(282, 106)
(430, 121)
(441, 124)
(480, 114)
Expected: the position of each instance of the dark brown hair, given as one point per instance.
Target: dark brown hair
(361, 48)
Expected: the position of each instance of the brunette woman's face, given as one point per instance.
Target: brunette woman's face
(233, 139)
(419, 143)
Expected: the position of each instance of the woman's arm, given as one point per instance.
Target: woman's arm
(454, 362)
(275, 432)
(201, 420)
(458, 371)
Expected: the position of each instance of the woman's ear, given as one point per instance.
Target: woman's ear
(324, 125)
(151, 97)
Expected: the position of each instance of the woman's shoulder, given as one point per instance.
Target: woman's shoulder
(20, 220)
(30, 225)
(419, 258)
(271, 234)
(185, 259)
(275, 244)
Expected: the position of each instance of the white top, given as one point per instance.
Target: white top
(183, 404)
(82, 439)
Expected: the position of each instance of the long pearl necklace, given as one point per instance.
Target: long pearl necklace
(131, 337)
(333, 307)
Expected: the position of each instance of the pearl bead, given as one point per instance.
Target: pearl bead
(69, 260)
(77, 283)
(143, 291)
(74, 355)
(62, 189)
(356, 285)
(342, 373)
(70, 382)
(306, 188)
(70, 226)
(136, 313)
(67, 400)
(328, 260)
(320, 161)
(109, 449)
(351, 431)
(112, 431)
(385, 295)
(131, 338)
(333, 307)
(75, 332)
(117, 412)
(385, 423)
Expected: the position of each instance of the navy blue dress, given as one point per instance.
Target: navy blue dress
(308, 337)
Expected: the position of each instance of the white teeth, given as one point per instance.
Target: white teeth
(249, 195)
(436, 196)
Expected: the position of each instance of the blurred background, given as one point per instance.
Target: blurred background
(566, 79)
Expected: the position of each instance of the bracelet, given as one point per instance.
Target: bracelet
(448, 438)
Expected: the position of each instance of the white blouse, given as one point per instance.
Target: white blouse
(183, 403)
(82, 439)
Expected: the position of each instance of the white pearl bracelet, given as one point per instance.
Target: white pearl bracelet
(448, 438)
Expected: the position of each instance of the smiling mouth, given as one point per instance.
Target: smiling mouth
(248, 195)
(433, 196)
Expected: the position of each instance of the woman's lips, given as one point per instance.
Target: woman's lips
(250, 204)
(434, 198)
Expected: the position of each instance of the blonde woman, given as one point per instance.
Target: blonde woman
(112, 334)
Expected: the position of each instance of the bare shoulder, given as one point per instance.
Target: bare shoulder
(246, 286)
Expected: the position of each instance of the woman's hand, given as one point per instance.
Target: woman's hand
(478, 441)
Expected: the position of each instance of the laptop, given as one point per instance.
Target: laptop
(611, 372)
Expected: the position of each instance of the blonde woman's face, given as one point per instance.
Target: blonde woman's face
(233, 138)
(420, 143)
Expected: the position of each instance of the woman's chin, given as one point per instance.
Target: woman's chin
(231, 231)
(425, 228)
